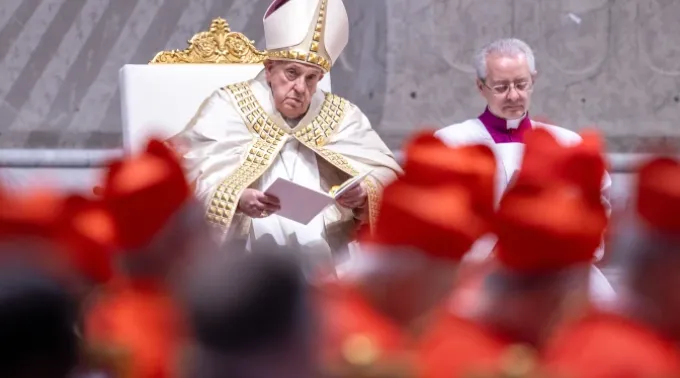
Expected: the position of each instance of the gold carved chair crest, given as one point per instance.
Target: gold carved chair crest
(217, 45)
(160, 98)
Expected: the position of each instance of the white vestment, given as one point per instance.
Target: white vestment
(509, 159)
(238, 140)
(298, 164)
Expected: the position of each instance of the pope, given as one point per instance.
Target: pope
(282, 125)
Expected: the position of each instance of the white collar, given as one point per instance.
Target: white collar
(514, 123)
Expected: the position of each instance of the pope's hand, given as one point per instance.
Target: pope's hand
(257, 204)
(354, 198)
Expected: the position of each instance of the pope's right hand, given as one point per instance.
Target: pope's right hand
(257, 204)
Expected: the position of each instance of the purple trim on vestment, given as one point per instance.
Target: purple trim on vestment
(497, 127)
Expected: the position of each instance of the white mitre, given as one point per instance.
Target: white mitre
(308, 31)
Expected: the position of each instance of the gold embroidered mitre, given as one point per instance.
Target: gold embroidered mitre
(308, 31)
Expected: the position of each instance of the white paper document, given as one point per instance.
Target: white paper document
(301, 204)
(349, 185)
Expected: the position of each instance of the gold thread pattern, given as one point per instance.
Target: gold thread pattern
(374, 198)
(302, 56)
(312, 53)
(336, 159)
(318, 132)
(217, 45)
(316, 135)
(316, 38)
(343, 164)
(268, 139)
(225, 199)
(257, 120)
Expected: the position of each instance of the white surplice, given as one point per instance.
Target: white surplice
(296, 163)
(509, 160)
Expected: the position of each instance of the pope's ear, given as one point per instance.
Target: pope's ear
(268, 66)
(534, 76)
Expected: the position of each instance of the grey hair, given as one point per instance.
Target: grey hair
(504, 47)
(504, 282)
(636, 245)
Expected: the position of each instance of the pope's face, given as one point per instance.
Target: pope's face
(292, 85)
(508, 85)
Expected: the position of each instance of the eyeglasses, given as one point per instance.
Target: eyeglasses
(501, 89)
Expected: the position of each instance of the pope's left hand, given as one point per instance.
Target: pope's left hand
(354, 198)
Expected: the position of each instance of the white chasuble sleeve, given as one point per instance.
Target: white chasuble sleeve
(213, 143)
(362, 147)
(360, 143)
(213, 148)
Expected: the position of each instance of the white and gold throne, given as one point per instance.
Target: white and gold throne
(160, 98)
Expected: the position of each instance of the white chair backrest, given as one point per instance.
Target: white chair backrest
(159, 100)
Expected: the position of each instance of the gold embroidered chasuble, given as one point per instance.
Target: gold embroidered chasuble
(237, 136)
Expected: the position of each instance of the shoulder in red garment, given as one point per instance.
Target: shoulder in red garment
(604, 345)
(457, 347)
(358, 340)
(141, 319)
(346, 314)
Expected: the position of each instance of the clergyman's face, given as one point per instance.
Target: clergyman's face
(292, 85)
(508, 85)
